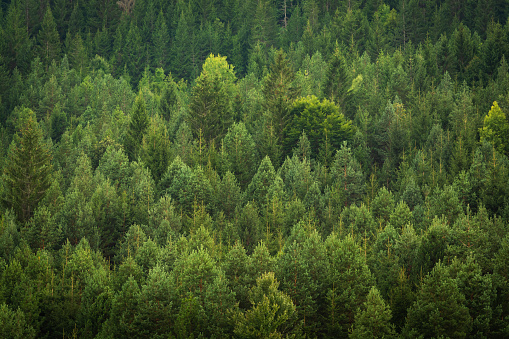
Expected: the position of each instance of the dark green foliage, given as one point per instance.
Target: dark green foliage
(262, 180)
(191, 197)
(13, 324)
(27, 172)
(279, 91)
(346, 176)
(337, 83)
(137, 127)
(440, 308)
(185, 186)
(48, 39)
(241, 153)
(156, 147)
(303, 269)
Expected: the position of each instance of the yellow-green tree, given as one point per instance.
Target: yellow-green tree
(496, 129)
(210, 109)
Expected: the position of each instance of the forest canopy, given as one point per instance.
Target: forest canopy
(254, 169)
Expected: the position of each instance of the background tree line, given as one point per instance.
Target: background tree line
(254, 169)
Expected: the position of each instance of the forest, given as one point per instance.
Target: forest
(254, 169)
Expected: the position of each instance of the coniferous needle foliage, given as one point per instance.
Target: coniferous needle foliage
(27, 171)
(254, 169)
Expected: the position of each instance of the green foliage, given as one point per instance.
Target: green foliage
(156, 147)
(262, 180)
(279, 92)
(196, 205)
(373, 320)
(272, 314)
(240, 153)
(440, 308)
(13, 324)
(210, 109)
(321, 121)
(48, 39)
(137, 128)
(496, 129)
(27, 172)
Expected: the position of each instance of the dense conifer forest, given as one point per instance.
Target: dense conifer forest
(254, 169)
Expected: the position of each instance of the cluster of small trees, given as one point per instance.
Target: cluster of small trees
(328, 171)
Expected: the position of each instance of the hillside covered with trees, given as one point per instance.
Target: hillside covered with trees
(254, 169)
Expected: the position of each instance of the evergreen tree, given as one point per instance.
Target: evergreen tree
(27, 172)
(156, 147)
(134, 50)
(183, 53)
(48, 39)
(496, 129)
(161, 41)
(137, 127)
(240, 152)
(439, 309)
(210, 109)
(279, 91)
(16, 46)
(13, 324)
(373, 320)
(272, 314)
(262, 180)
(337, 82)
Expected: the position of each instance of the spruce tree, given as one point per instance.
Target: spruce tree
(137, 127)
(279, 91)
(48, 38)
(27, 172)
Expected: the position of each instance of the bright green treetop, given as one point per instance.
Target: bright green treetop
(496, 129)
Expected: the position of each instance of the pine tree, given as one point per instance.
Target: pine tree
(182, 60)
(14, 324)
(439, 309)
(262, 180)
(337, 83)
(272, 313)
(28, 169)
(156, 147)
(373, 320)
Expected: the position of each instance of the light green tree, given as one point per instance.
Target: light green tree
(373, 319)
(210, 108)
(272, 313)
(496, 129)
